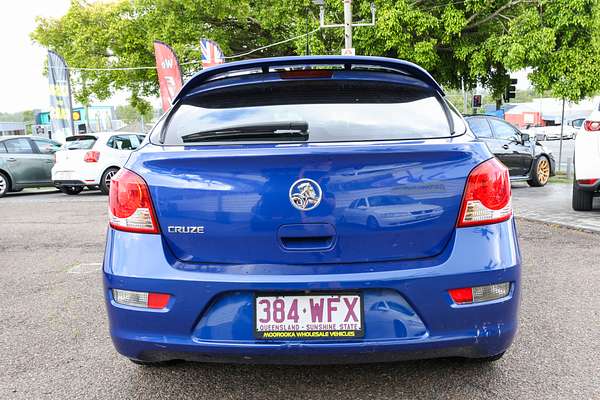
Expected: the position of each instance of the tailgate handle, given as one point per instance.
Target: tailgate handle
(307, 237)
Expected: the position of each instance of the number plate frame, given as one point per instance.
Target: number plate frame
(310, 334)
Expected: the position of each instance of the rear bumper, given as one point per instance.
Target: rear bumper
(588, 188)
(552, 165)
(83, 176)
(408, 313)
(59, 184)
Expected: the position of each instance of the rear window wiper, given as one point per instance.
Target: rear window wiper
(286, 130)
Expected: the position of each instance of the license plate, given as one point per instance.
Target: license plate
(308, 316)
(62, 175)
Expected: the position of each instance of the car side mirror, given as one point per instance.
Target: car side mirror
(524, 138)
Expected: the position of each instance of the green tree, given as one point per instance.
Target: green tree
(478, 41)
(129, 114)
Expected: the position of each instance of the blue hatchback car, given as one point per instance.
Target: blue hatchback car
(311, 210)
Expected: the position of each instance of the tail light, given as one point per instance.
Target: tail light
(591, 126)
(141, 299)
(129, 205)
(91, 156)
(587, 181)
(479, 294)
(487, 197)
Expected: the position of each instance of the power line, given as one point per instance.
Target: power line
(189, 62)
(116, 68)
(271, 45)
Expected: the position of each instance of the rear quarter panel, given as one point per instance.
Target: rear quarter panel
(587, 152)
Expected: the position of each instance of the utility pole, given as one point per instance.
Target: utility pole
(464, 93)
(307, 42)
(347, 25)
(562, 127)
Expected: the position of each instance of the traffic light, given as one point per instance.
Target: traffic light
(476, 101)
(511, 90)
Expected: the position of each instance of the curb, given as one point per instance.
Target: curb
(561, 224)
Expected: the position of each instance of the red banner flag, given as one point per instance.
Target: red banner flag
(169, 73)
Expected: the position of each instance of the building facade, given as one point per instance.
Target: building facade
(12, 128)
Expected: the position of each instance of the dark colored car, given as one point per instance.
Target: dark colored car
(237, 230)
(25, 161)
(526, 158)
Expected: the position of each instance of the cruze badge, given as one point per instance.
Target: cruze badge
(305, 194)
(185, 229)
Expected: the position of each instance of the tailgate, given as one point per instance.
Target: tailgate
(394, 201)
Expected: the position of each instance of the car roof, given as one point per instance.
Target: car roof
(266, 65)
(5, 137)
(102, 135)
(468, 117)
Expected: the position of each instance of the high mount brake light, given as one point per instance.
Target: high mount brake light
(487, 197)
(91, 156)
(306, 73)
(129, 205)
(591, 126)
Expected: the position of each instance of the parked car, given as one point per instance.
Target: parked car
(526, 159)
(388, 210)
(91, 160)
(576, 125)
(227, 237)
(586, 184)
(25, 161)
(543, 133)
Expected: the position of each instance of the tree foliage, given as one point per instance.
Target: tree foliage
(130, 114)
(479, 41)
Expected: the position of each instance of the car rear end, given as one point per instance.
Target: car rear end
(587, 163)
(76, 162)
(230, 237)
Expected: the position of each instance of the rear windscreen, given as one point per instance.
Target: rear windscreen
(325, 111)
(83, 143)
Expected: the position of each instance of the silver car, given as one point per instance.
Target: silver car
(25, 161)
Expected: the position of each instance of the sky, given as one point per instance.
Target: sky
(23, 85)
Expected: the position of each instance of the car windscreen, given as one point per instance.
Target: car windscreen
(311, 111)
(80, 143)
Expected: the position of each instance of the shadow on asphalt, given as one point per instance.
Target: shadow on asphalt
(318, 381)
(28, 193)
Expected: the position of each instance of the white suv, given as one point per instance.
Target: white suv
(587, 163)
(91, 160)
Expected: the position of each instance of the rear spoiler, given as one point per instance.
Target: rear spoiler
(265, 65)
(80, 137)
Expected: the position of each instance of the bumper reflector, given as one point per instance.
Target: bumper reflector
(141, 299)
(480, 294)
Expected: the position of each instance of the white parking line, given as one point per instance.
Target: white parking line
(85, 268)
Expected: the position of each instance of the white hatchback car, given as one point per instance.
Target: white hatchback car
(587, 163)
(91, 160)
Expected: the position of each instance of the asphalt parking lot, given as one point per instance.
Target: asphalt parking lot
(55, 341)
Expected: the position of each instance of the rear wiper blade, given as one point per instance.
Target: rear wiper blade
(286, 130)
